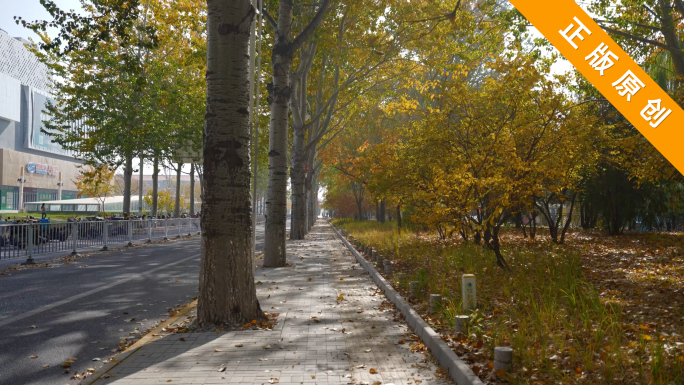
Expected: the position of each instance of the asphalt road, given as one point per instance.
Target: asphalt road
(83, 308)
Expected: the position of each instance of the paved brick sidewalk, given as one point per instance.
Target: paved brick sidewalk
(346, 339)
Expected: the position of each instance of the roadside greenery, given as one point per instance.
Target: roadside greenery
(567, 320)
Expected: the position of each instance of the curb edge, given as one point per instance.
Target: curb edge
(147, 338)
(450, 362)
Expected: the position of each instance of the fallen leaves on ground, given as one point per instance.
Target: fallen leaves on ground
(637, 276)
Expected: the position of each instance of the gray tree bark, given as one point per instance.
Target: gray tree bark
(155, 185)
(298, 228)
(279, 101)
(192, 189)
(141, 183)
(177, 205)
(128, 176)
(227, 293)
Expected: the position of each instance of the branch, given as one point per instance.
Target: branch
(327, 142)
(679, 5)
(318, 116)
(652, 28)
(588, 101)
(652, 12)
(270, 19)
(450, 15)
(641, 39)
(311, 27)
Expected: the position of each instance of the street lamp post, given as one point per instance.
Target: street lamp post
(59, 187)
(21, 181)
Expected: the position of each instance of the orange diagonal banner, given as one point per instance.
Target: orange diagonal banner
(619, 78)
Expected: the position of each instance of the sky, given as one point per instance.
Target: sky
(29, 10)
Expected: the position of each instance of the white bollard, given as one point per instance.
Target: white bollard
(468, 291)
(401, 278)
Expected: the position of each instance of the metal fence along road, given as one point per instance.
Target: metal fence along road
(24, 240)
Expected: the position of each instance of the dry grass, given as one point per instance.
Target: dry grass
(556, 309)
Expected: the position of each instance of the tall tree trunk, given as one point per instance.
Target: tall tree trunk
(567, 222)
(298, 172)
(177, 208)
(491, 240)
(192, 189)
(141, 183)
(298, 178)
(279, 98)
(128, 176)
(227, 293)
(382, 211)
(200, 176)
(313, 204)
(155, 184)
(312, 197)
(399, 217)
(672, 38)
(279, 101)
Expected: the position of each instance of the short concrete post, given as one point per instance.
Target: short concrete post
(149, 231)
(460, 322)
(468, 291)
(435, 302)
(401, 278)
(374, 255)
(105, 233)
(166, 229)
(414, 288)
(179, 228)
(503, 358)
(389, 268)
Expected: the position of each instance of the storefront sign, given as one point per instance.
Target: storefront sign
(41, 168)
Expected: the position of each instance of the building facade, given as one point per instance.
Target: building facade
(32, 167)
